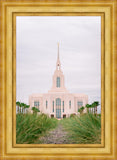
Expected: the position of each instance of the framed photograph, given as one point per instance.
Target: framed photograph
(57, 102)
(58, 80)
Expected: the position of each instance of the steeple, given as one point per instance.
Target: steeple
(58, 64)
(58, 50)
(58, 78)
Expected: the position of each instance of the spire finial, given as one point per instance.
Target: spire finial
(58, 50)
(58, 65)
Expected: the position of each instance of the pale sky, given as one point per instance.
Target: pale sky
(79, 40)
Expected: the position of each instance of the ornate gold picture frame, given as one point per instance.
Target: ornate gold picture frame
(108, 147)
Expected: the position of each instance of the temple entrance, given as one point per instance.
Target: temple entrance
(64, 115)
(58, 108)
(52, 115)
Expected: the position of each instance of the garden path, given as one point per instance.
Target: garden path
(56, 136)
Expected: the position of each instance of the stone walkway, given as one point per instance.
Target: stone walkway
(56, 136)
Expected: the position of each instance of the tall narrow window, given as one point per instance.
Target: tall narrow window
(53, 106)
(58, 102)
(70, 104)
(58, 82)
(36, 104)
(79, 104)
(63, 106)
(58, 108)
(46, 104)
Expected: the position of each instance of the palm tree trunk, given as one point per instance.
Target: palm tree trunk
(18, 109)
(96, 111)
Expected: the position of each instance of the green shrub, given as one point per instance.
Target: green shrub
(30, 127)
(85, 129)
(72, 115)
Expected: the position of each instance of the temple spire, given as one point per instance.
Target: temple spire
(58, 51)
(58, 64)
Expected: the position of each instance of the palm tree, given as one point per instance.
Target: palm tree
(93, 106)
(92, 110)
(24, 107)
(88, 106)
(21, 107)
(96, 104)
(35, 110)
(27, 106)
(81, 110)
(18, 104)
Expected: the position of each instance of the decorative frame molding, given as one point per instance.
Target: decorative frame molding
(107, 10)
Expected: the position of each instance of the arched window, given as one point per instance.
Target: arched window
(58, 82)
(58, 108)
(70, 104)
(53, 106)
(63, 106)
(58, 102)
(36, 104)
(46, 104)
(79, 104)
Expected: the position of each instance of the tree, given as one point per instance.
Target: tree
(88, 106)
(96, 104)
(22, 106)
(18, 104)
(93, 106)
(81, 110)
(27, 106)
(35, 110)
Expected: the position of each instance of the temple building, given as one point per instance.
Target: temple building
(58, 102)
